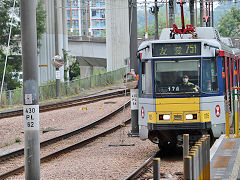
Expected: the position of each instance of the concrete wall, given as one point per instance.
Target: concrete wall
(48, 50)
(117, 27)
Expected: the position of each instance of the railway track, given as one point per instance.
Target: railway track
(66, 137)
(64, 104)
(145, 170)
(141, 169)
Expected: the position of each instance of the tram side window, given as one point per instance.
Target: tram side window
(146, 78)
(209, 76)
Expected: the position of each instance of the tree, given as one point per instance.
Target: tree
(229, 25)
(161, 24)
(74, 70)
(41, 21)
(14, 61)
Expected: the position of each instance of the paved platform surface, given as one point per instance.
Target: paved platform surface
(225, 159)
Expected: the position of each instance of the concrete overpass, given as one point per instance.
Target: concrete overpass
(89, 51)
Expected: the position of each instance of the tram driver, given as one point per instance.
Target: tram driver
(188, 86)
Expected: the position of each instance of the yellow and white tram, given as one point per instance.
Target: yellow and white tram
(184, 85)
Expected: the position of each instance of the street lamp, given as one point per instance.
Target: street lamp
(58, 61)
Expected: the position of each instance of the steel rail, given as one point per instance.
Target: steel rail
(64, 136)
(64, 104)
(65, 150)
(141, 169)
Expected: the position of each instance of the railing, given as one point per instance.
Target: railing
(46, 92)
(236, 106)
(197, 162)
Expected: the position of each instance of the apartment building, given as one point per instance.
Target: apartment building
(78, 17)
(86, 18)
(97, 18)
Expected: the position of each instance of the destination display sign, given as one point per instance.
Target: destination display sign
(176, 49)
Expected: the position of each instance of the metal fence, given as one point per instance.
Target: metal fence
(197, 162)
(46, 92)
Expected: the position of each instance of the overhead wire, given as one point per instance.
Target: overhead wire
(8, 46)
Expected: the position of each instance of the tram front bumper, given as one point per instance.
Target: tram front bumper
(179, 126)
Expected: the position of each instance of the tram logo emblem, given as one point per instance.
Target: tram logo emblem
(217, 110)
(142, 112)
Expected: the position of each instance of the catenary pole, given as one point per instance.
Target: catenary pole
(146, 25)
(212, 10)
(56, 47)
(191, 8)
(196, 15)
(156, 20)
(172, 12)
(133, 57)
(201, 13)
(30, 90)
(133, 35)
(166, 14)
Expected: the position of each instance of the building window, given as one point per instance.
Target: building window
(75, 12)
(75, 23)
(93, 3)
(75, 3)
(94, 13)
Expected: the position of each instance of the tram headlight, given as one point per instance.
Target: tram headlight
(191, 116)
(166, 117)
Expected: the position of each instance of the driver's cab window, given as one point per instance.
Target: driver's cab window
(177, 76)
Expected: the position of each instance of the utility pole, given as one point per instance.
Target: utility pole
(191, 8)
(133, 59)
(146, 26)
(30, 90)
(172, 4)
(156, 19)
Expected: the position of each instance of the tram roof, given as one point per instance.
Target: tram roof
(208, 35)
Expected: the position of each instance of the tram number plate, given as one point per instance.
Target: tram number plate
(177, 117)
(173, 88)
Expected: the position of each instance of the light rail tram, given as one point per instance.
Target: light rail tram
(184, 85)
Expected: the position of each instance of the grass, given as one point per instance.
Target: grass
(4, 108)
(18, 140)
(6, 144)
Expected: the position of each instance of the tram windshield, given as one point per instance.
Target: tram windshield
(181, 76)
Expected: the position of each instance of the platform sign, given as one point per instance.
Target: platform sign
(31, 117)
(134, 99)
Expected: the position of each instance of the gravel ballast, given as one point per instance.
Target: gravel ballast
(97, 160)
